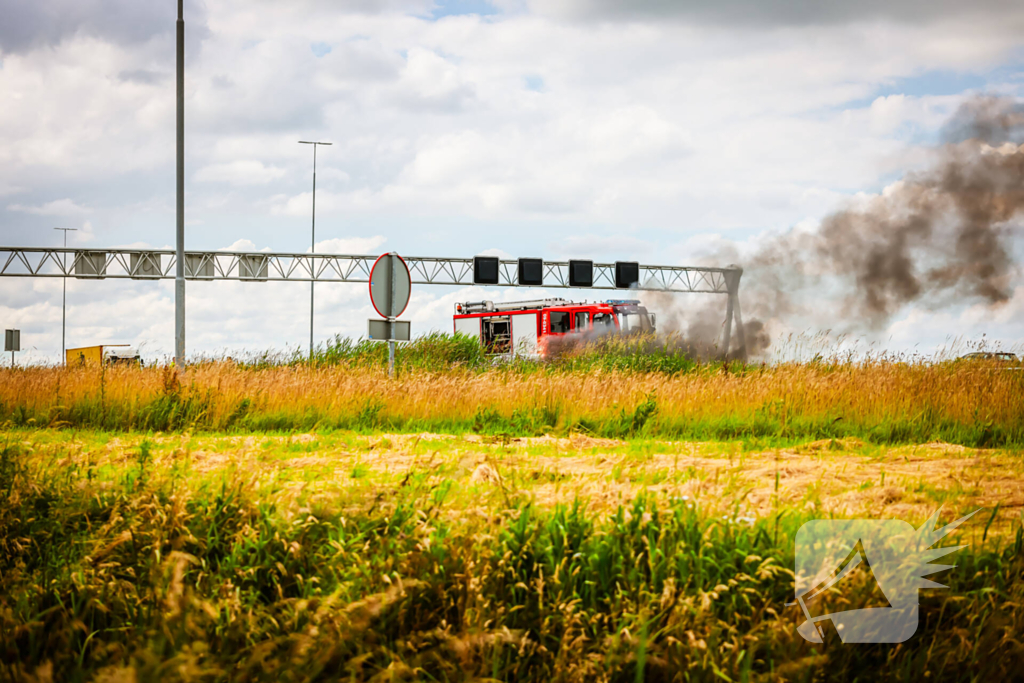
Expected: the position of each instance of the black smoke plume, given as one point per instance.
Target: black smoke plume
(938, 237)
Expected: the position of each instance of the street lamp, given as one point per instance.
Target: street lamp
(179, 230)
(64, 302)
(312, 276)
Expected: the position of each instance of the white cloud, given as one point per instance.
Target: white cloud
(84, 234)
(302, 204)
(241, 172)
(500, 253)
(8, 189)
(959, 330)
(244, 244)
(430, 82)
(58, 207)
(351, 245)
(608, 248)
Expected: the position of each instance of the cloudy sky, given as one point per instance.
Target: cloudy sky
(654, 130)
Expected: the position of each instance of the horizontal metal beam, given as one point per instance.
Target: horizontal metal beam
(159, 264)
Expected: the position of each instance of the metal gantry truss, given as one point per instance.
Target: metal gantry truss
(155, 264)
(159, 264)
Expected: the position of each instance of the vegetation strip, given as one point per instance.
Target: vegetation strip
(625, 388)
(124, 558)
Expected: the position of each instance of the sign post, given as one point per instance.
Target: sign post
(12, 342)
(390, 287)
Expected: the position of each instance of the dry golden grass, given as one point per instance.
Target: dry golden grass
(963, 402)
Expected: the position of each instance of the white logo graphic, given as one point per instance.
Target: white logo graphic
(862, 576)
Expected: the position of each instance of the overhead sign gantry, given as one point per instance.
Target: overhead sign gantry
(159, 264)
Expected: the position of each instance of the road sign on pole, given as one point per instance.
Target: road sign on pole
(390, 287)
(381, 330)
(12, 342)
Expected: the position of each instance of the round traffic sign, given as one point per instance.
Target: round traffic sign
(390, 285)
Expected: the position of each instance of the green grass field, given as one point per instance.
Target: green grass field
(372, 556)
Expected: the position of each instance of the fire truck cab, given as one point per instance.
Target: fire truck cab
(519, 328)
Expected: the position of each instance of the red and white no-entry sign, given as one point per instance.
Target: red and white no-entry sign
(390, 285)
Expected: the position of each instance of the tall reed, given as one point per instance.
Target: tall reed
(972, 403)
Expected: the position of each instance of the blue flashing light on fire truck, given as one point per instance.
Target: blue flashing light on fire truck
(523, 327)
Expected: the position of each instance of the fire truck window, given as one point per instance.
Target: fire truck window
(497, 335)
(581, 320)
(602, 319)
(634, 322)
(559, 322)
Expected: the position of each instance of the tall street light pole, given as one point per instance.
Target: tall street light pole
(64, 301)
(179, 254)
(312, 275)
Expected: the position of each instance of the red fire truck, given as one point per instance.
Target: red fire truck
(521, 327)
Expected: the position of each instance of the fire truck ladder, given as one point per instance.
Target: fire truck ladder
(490, 306)
(159, 264)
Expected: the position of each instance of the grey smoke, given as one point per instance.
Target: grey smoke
(943, 235)
(693, 325)
(988, 118)
(939, 237)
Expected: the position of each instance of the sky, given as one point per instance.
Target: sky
(655, 130)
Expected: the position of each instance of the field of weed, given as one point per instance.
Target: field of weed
(627, 515)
